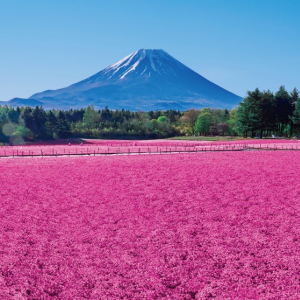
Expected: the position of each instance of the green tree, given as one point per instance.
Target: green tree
(90, 118)
(27, 117)
(203, 123)
(249, 114)
(51, 125)
(63, 131)
(39, 121)
(267, 119)
(294, 100)
(188, 120)
(296, 113)
(284, 109)
(162, 119)
(3, 120)
(232, 122)
(13, 115)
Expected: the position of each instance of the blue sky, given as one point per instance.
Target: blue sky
(237, 44)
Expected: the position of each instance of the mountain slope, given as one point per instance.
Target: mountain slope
(143, 80)
(22, 102)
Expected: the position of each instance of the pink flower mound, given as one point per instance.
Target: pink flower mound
(221, 225)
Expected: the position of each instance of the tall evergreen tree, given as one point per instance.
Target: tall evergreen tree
(284, 109)
(3, 121)
(28, 118)
(64, 130)
(39, 121)
(294, 99)
(51, 125)
(13, 115)
(267, 120)
(250, 113)
(296, 113)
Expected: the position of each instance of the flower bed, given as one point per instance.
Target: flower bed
(221, 225)
(93, 147)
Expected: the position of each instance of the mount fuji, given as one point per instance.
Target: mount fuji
(144, 80)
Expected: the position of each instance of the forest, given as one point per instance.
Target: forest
(260, 114)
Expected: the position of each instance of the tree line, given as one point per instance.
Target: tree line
(263, 113)
(260, 114)
(28, 124)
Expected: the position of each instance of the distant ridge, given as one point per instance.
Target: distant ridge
(22, 102)
(147, 79)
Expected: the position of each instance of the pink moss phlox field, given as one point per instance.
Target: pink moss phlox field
(221, 225)
(148, 146)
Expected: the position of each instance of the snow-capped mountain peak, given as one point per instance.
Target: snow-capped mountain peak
(140, 63)
(147, 79)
